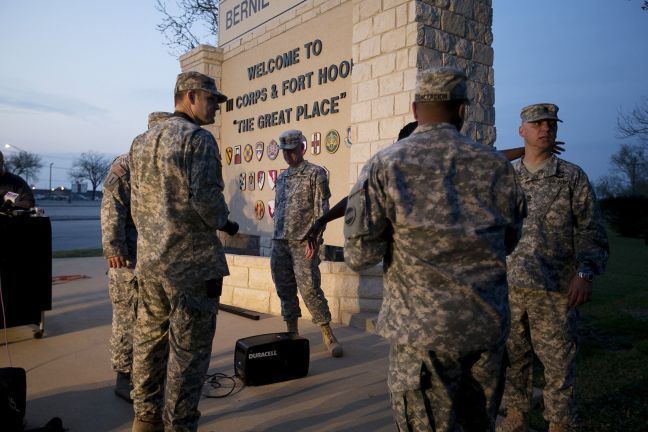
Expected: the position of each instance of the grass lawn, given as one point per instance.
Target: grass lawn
(78, 253)
(612, 384)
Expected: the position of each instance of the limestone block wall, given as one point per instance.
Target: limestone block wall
(349, 294)
(392, 39)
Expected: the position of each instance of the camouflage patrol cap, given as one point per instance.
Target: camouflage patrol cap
(155, 117)
(291, 139)
(441, 84)
(196, 81)
(541, 111)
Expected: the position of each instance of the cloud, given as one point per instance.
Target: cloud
(35, 101)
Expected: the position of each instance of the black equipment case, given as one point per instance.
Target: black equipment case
(271, 358)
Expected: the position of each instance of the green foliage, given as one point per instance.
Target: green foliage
(627, 215)
(612, 383)
(78, 253)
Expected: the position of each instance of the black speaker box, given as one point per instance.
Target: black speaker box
(271, 358)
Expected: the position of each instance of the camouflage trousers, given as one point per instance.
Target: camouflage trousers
(542, 323)
(122, 287)
(292, 271)
(176, 322)
(445, 391)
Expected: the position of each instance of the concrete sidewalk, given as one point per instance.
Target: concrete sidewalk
(69, 374)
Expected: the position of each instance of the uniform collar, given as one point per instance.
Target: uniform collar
(549, 170)
(434, 126)
(298, 169)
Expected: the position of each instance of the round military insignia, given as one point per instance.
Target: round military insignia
(248, 153)
(332, 141)
(259, 209)
(273, 150)
(258, 150)
(229, 152)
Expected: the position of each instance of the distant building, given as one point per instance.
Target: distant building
(79, 187)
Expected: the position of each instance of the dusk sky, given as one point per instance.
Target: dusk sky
(79, 75)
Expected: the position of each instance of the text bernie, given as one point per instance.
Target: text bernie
(244, 10)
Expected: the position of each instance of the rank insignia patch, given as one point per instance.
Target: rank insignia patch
(237, 154)
(316, 143)
(272, 178)
(258, 150)
(248, 153)
(259, 209)
(332, 141)
(261, 179)
(242, 181)
(273, 150)
(229, 152)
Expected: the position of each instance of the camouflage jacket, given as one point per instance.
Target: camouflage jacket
(441, 211)
(118, 233)
(177, 201)
(301, 196)
(564, 232)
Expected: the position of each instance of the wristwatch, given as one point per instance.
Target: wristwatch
(589, 277)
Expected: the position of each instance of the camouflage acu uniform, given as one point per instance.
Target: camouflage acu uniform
(441, 211)
(177, 207)
(119, 238)
(563, 234)
(302, 195)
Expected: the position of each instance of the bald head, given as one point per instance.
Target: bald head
(439, 112)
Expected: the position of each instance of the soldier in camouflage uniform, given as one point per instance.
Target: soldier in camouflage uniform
(441, 212)
(177, 206)
(563, 246)
(301, 196)
(119, 239)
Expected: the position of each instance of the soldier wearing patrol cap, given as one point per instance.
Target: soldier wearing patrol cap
(177, 205)
(563, 247)
(441, 212)
(301, 196)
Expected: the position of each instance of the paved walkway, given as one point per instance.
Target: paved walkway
(69, 374)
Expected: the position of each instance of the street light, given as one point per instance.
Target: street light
(50, 184)
(10, 146)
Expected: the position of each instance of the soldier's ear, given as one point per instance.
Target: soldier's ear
(415, 111)
(521, 131)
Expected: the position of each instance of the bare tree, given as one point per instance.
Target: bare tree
(195, 23)
(631, 163)
(634, 123)
(24, 164)
(91, 166)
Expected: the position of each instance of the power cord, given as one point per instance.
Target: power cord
(218, 381)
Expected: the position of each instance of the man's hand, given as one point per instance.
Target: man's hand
(558, 148)
(311, 249)
(117, 262)
(580, 291)
(230, 227)
(315, 231)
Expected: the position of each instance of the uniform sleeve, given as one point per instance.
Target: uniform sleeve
(206, 184)
(518, 204)
(591, 241)
(115, 206)
(322, 196)
(366, 227)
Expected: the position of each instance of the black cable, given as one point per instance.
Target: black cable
(215, 381)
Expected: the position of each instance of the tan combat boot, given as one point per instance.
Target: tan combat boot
(330, 341)
(148, 424)
(291, 326)
(514, 421)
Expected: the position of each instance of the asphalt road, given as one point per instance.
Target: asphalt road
(75, 225)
